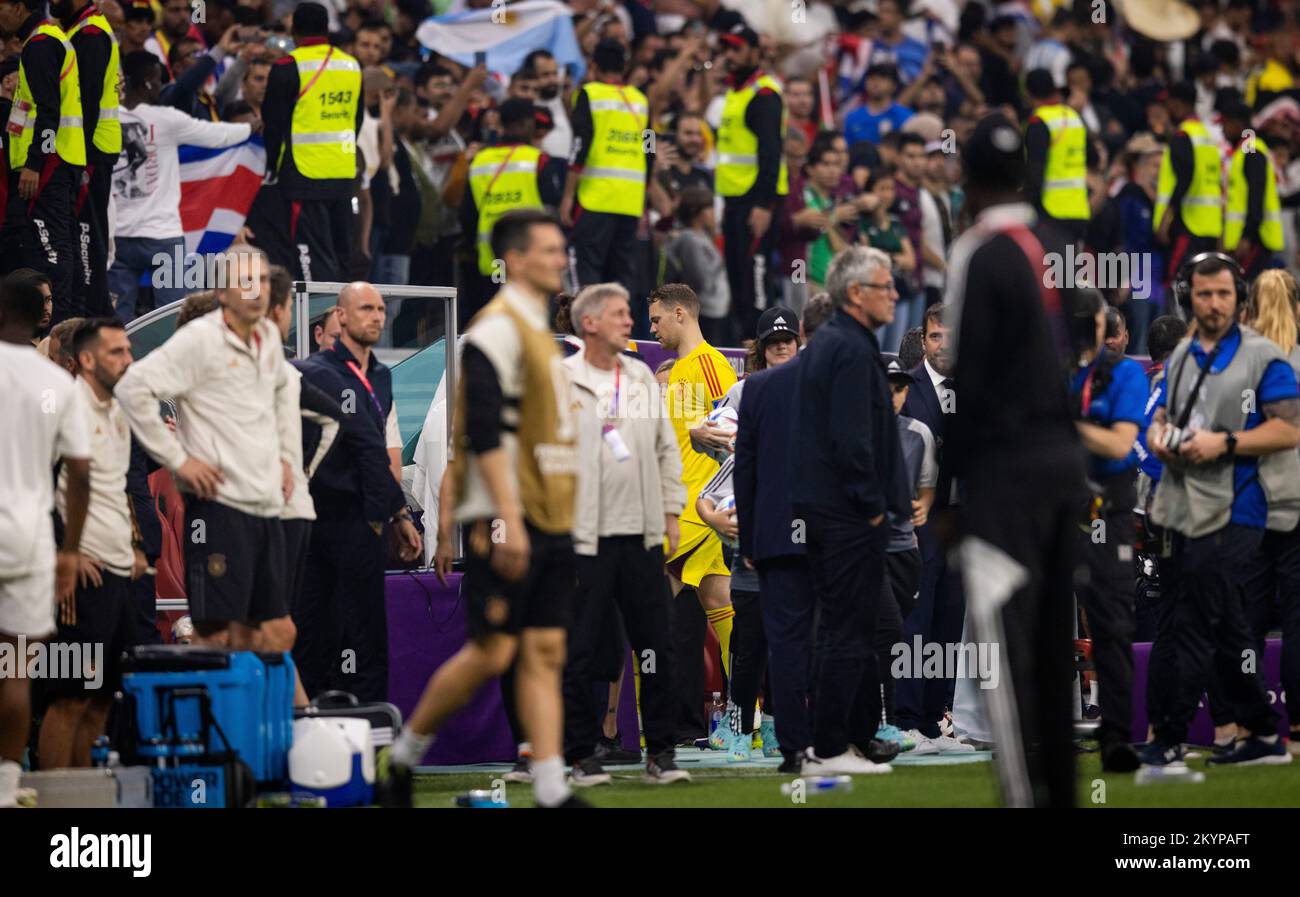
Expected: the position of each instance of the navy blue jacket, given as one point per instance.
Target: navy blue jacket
(766, 428)
(847, 458)
(354, 477)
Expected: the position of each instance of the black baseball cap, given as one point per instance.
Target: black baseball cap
(137, 12)
(776, 320)
(894, 368)
(740, 35)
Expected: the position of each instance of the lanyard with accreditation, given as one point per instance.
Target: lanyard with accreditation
(617, 447)
(360, 375)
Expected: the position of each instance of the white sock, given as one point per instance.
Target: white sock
(523, 749)
(410, 747)
(9, 774)
(1268, 739)
(549, 787)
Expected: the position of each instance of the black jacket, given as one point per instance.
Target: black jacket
(1013, 405)
(846, 458)
(763, 441)
(354, 477)
(923, 404)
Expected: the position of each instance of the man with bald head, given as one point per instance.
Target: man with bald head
(342, 626)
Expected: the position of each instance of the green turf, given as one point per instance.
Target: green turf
(967, 785)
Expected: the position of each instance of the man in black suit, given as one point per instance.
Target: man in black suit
(846, 474)
(772, 540)
(940, 610)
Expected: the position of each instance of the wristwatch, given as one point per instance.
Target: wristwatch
(1232, 443)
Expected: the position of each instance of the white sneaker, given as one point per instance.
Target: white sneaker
(849, 763)
(10, 772)
(946, 744)
(924, 744)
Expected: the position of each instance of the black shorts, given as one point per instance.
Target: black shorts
(297, 536)
(89, 651)
(234, 565)
(542, 599)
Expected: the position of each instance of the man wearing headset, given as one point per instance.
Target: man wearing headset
(1225, 429)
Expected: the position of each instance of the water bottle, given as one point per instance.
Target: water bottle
(819, 785)
(1174, 772)
(715, 717)
(99, 751)
(481, 799)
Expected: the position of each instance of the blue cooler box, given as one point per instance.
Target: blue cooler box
(250, 695)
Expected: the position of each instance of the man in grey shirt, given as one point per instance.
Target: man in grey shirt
(903, 556)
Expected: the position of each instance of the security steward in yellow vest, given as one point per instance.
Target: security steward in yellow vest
(1188, 215)
(608, 168)
(1252, 222)
(1056, 147)
(751, 175)
(46, 153)
(311, 116)
(513, 174)
(97, 64)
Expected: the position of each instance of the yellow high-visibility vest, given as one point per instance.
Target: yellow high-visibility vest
(502, 178)
(738, 145)
(108, 130)
(70, 139)
(323, 130)
(1270, 228)
(1065, 178)
(613, 178)
(1201, 210)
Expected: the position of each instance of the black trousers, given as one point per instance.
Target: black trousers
(474, 291)
(92, 235)
(1274, 579)
(38, 234)
(1105, 586)
(626, 578)
(321, 232)
(688, 626)
(340, 612)
(1040, 534)
(937, 617)
(847, 557)
(605, 249)
(748, 261)
(786, 600)
(748, 658)
(1204, 628)
(902, 581)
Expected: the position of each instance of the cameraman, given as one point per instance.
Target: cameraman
(1109, 393)
(1226, 430)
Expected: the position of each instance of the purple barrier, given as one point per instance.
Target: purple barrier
(1202, 729)
(426, 626)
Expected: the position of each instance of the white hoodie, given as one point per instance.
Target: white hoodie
(236, 408)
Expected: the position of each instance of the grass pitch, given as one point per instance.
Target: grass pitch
(911, 784)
